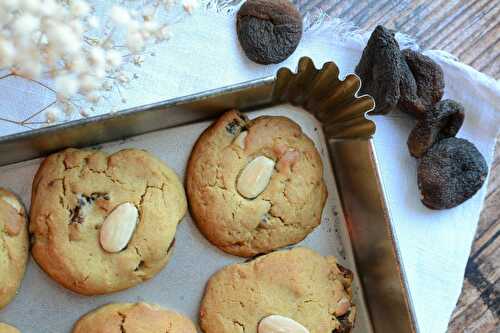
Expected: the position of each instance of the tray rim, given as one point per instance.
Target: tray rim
(172, 102)
(395, 243)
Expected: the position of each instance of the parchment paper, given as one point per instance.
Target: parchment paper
(43, 306)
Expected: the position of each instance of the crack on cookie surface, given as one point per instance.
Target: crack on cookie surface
(123, 318)
(241, 325)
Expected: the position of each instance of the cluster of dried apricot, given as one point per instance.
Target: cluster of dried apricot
(450, 170)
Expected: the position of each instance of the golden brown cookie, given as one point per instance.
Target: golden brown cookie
(255, 185)
(4, 328)
(298, 284)
(104, 223)
(133, 318)
(14, 246)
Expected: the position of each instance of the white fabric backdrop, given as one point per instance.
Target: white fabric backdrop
(204, 54)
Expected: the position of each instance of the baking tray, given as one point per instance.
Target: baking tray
(355, 226)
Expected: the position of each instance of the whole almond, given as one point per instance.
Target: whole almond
(280, 324)
(118, 227)
(255, 177)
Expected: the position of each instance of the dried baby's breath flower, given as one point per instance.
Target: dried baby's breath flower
(81, 54)
(137, 60)
(120, 15)
(66, 86)
(53, 114)
(79, 8)
(93, 22)
(7, 53)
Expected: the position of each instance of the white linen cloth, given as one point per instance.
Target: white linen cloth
(204, 54)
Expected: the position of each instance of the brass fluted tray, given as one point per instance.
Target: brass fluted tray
(368, 244)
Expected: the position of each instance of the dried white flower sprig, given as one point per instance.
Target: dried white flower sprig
(64, 46)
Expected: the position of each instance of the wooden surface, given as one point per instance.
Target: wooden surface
(478, 309)
(471, 31)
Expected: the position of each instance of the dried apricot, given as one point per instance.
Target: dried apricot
(429, 80)
(442, 121)
(380, 69)
(450, 173)
(269, 31)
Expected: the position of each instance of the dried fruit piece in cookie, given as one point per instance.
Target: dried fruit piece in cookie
(429, 80)
(14, 246)
(269, 31)
(133, 318)
(297, 289)
(442, 121)
(256, 187)
(85, 203)
(103, 223)
(450, 172)
(4, 328)
(380, 69)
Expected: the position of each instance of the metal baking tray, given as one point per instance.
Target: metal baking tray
(355, 227)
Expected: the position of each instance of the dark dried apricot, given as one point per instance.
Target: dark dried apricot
(442, 121)
(269, 31)
(429, 79)
(380, 69)
(408, 88)
(450, 173)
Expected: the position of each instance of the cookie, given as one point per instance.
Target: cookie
(291, 287)
(102, 223)
(4, 328)
(14, 246)
(133, 318)
(255, 185)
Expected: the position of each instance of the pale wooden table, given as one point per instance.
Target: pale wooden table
(469, 29)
